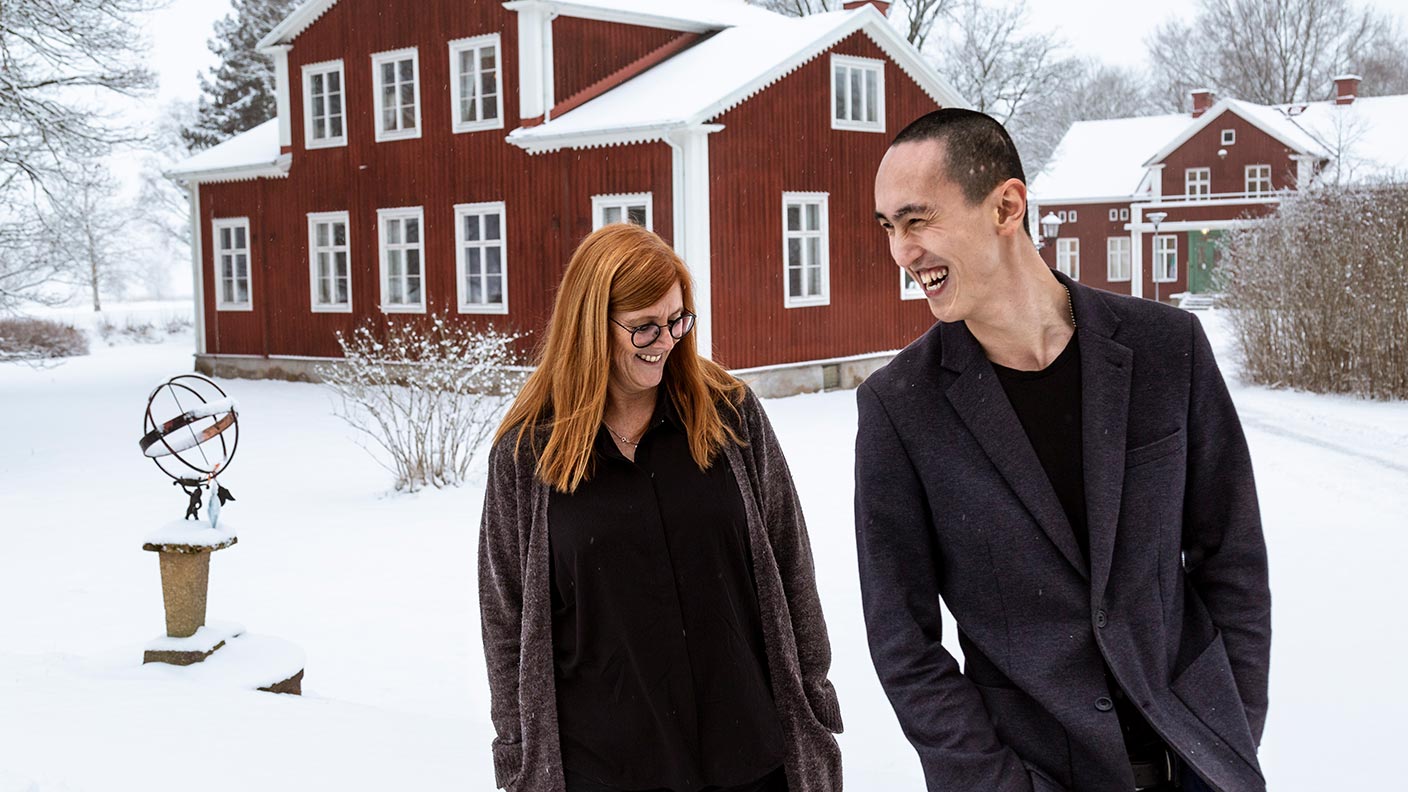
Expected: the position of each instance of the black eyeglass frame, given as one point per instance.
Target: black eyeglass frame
(658, 328)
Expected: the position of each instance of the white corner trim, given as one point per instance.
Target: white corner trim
(197, 265)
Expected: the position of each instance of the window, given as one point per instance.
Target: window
(480, 258)
(476, 94)
(1197, 182)
(632, 208)
(1124, 214)
(805, 249)
(402, 242)
(857, 94)
(1258, 179)
(324, 116)
(1068, 257)
(1114, 215)
(909, 287)
(397, 95)
(1061, 215)
(1071, 215)
(1229, 136)
(1165, 258)
(232, 288)
(1117, 259)
(329, 265)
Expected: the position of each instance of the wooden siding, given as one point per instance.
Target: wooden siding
(782, 141)
(1253, 147)
(585, 50)
(1092, 227)
(547, 197)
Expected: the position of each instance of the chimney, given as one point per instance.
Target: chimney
(1346, 88)
(1202, 101)
(880, 5)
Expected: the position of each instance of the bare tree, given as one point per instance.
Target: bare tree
(798, 8)
(1081, 91)
(1271, 52)
(920, 16)
(992, 58)
(55, 56)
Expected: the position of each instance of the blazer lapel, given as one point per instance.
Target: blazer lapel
(1105, 370)
(981, 403)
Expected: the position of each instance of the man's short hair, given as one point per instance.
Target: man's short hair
(978, 152)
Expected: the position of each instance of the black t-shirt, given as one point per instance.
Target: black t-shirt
(1047, 403)
(657, 639)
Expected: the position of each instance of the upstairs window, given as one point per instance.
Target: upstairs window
(1229, 137)
(806, 249)
(631, 208)
(397, 95)
(857, 94)
(1197, 182)
(1258, 179)
(324, 116)
(232, 287)
(476, 93)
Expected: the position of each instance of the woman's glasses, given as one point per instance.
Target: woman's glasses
(644, 335)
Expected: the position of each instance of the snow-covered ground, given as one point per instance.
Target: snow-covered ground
(379, 591)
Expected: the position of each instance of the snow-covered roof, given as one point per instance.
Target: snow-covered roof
(719, 73)
(248, 155)
(1104, 159)
(684, 15)
(1367, 135)
(1265, 117)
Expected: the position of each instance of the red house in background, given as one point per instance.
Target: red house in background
(1144, 202)
(448, 155)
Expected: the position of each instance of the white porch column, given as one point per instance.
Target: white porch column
(535, 69)
(197, 271)
(690, 180)
(1136, 250)
(282, 101)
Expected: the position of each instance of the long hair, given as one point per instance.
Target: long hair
(616, 269)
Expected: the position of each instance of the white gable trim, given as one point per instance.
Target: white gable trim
(620, 16)
(278, 169)
(295, 23)
(1215, 112)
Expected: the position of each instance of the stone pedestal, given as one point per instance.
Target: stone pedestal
(185, 579)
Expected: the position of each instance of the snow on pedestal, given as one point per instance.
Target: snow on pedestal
(249, 662)
(195, 534)
(184, 548)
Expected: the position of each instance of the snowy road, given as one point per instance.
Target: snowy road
(379, 591)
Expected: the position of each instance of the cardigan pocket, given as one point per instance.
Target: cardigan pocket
(826, 709)
(508, 762)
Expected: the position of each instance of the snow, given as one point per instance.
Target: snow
(254, 148)
(379, 590)
(1370, 129)
(207, 637)
(195, 533)
(1279, 124)
(1104, 159)
(714, 13)
(215, 407)
(700, 82)
(245, 662)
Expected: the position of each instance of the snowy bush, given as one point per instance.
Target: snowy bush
(24, 338)
(427, 394)
(1319, 293)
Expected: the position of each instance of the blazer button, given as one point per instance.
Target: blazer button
(1104, 704)
(1100, 620)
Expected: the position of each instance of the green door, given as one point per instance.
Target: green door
(1203, 253)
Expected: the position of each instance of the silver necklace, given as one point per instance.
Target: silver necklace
(1069, 307)
(628, 441)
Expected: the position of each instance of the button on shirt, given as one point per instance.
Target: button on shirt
(657, 640)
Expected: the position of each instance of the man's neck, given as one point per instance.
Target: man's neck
(1028, 325)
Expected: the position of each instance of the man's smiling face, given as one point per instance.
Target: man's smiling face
(946, 244)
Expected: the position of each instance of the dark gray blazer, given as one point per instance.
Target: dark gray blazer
(952, 502)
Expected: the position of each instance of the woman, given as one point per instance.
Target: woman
(650, 613)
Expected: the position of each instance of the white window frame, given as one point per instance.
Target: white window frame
(461, 244)
(824, 248)
(1068, 257)
(1229, 137)
(216, 226)
(1124, 214)
(1259, 173)
(1114, 215)
(1118, 249)
(1167, 245)
(395, 56)
(866, 66)
(458, 46)
(623, 201)
(909, 287)
(1061, 215)
(1197, 177)
(314, 220)
(309, 72)
(382, 217)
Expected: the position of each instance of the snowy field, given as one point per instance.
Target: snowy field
(379, 591)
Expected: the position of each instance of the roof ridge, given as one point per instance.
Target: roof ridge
(636, 67)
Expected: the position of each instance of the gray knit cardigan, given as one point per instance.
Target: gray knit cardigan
(517, 619)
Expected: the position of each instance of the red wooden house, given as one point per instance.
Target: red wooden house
(448, 155)
(1143, 202)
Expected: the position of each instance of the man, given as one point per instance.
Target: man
(1064, 467)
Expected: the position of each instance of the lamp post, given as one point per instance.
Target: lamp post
(1050, 228)
(1156, 218)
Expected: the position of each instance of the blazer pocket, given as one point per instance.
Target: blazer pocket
(1029, 730)
(1155, 450)
(1208, 689)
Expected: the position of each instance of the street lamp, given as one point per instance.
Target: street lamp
(1050, 228)
(1156, 218)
